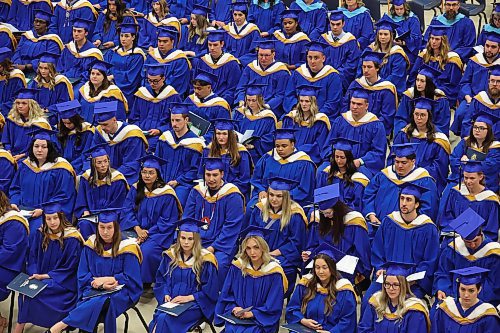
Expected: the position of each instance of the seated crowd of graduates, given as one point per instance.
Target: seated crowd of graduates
(326, 178)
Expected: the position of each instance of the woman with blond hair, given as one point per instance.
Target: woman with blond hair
(254, 287)
(158, 16)
(187, 273)
(194, 35)
(395, 308)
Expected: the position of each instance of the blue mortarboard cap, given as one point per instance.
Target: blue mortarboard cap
(213, 163)
(386, 23)
(327, 196)
(398, 2)
(495, 71)
(101, 65)
(438, 29)
(206, 77)
(429, 71)
(179, 108)
(109, 215)
(344, 144)
(497, 8)
(5, 53)
(327, 249)
(52, 207)
(369, 55)
(266, 44)
(307, 90)
(155, 69)
(82, 23)
(413, 189)
(282, 184)
(28, 93)
(129, 28)
(360, 93)
(68, 109)
(43, 15)
(168, 32)
(98, 150)
(467, 225)
(152, 161)
(470, 275)
(216, 35)
(254, 230)
(200, 10)
(424, 103)
(49, 57)
(316, 46)
(254, 89)
(222, 124)
(336, 15)
(290, 13)
(190, 225)
(473, 166)
(487, 118)
(493, 36)
(284, 134)
(104, 111)
(404, 149)
(39, 133)
(395, 268)
(240, 6)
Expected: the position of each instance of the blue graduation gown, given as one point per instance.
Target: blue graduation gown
(382, 101)
(432, 156)
(220, 10)
(151, 111)
(157, 213)
(54, 302)
(183, 157)
(265, 16)
(177, 67)
(72, 152)
(7, 37)
(329, 94)
(382, 193)
(75, 63)
(112, 93)
(263, 124)
(480, 103)
(14, 230)
(359, 22)
(261, 289)
(476, 75)
(210, 108)
(225, 211)
(64, 15)
(461, 35)
(298, 167)
(343, 317)
(240, 41)
(228, 72)
(195, 44)
(369, 131)
(415, 317)
(343, 55)
(32, 45)
(413, 41)
(9, 90)
(124, 267)
(126, 70)
(48, 97)
(456, 255)
(8, 166)
(450, 317)
(396, 68)
(22, 14)
(181, 281)
(290, 50)
(440, 114)
(486, 29)
(16, 136)
(110, 35)
(126, 146)
(354, 241)
(149, 25)
(275, 76)
(4, 10)
(310, 140)
(34, 185)
(313, 17)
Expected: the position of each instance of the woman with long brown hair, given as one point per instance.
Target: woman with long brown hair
(106, 28)
(12, 80)
(194, 35)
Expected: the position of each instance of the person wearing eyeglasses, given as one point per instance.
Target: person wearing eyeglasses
(395, 309)
(492, 25)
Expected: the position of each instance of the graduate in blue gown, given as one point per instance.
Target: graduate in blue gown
(466, 312)
(256, 281)
(4, 10)
(336, 224)
(290, 40)
(395, 309)
(22, 14)
(183, 150)
(287, 224)
(381, 194)
(67, 11)
(316, 72)
(406, 235)
(126, 142)
(312, 17)
(194, 35)
(106, 262)
(187, 273)
(285, 161)
(467, 247)
(221, 207)
(100, 187)
(159, 16)
(127, 61)
(312, 126)
(177, 65)
(8, 166)
(358, 21)
(315, 305)
(41, 177)
(265, 70)
(365, 129)
(266, 15)
(8, 39)
(151, 210)
(343, 52)
(433, 147)
(492, 25)
(12, 80)
(105, 32)
(75, 135)
(152, 103)
(257, 117)
(238, 164)
(54, 254)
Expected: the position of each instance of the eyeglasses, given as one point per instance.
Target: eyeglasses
(154, 81)
(148, 173)
(420, 115)
(391, 285)
(479, 128)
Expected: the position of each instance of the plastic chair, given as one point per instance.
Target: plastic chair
(418, 7)
(471, 9)
(197, 326)
(11, 311)
(141, 318)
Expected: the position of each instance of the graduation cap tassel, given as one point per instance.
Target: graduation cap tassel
(460, 175)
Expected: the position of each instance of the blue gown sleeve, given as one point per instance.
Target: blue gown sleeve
(194, 162)
(414, 41)
(269, 313)
(208, 292)
(64, 190)
(293, 314)
(443, 279)
(63, 273)
(468, 39)
(233, 220)
(374, 157)
(163, 283)
(13, 249)
(131, 276)
(135, 149)
(333, 97)
(279, 93)
(296, 242)
(129, 217)
(367, 322)
(378, 252)
(398, 71)
(304, 190)
(346, 301)
(370, 195)
(257, 181)
(415, 321)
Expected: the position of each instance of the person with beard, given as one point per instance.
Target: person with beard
(492, 26)
(462, 32)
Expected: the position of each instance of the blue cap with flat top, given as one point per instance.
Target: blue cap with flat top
(492, 36)
(472, 166)
(467, 225)
(240, 6)
(282, 184)
(152, 161)
(222, 124)
(398, 2)
(168, 32)
(207, 77)
(200, 10)
(284, 134)
(49, 57)
(155, 69)
(404, 149)
(100, 65)
(42, 14)
(395, 268)
(82, 23)
(487, 118)
(413, 189)
(266, 44)
(104, 111)
(255, 89)
(438, 30)
(129, 28)
(179, 108)
(98, 150)
(369, 55)
(255, 231)
(52, 207)
(424, 103)
(344, 144)
(386, 23)
(290, 13)
(68, 109)
(327, 196)
(336, 15)
(109, 215)
(316, 45)
(216, 35)
(430, 72)
(307, 90)
(28, 93)
(470, 275)
(360, 92)
(190, 225)
(213, 163)
(328, 250)
(38, 133)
